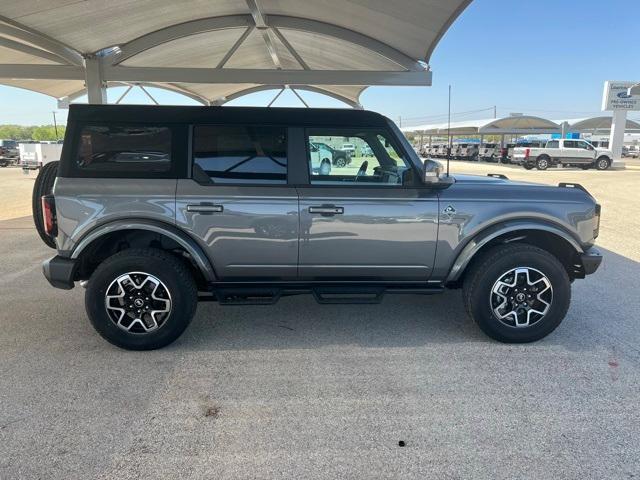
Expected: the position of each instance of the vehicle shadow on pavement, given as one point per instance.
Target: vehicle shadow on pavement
(602, 309)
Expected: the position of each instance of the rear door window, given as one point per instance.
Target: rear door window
(236, 154)
(124, 150)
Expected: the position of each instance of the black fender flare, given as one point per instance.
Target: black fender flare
(483, 237)
(168, 230)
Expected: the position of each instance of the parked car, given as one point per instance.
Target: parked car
(631, 151)
(9, 150)
(465, 151)
(340, 158)
(490, 152)
(567, 152)
(350, 148)
(507, 150)
(231, 211)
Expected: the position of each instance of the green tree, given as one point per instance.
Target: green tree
(31, 132)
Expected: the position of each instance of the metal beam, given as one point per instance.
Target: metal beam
(264, 29)
(30, 71)
(276, 97)
(235, 47)
(300, 98)
(265, 76)
(40, 40)
(289, 47)
(175, 32)
(29, 50)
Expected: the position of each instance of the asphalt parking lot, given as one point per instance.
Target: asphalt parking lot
(299, 390)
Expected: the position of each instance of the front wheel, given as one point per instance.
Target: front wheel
(542, 163)
(141, 299)
(341, 162)
(602, 163)
(517, 293)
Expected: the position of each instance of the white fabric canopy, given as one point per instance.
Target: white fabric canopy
(517, 124)
(217, 50)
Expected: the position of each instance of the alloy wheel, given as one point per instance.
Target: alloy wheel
(138, 302)
(521, 297)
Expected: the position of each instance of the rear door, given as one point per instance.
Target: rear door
(238, 203)
(372, 220)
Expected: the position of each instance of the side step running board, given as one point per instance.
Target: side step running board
(344, 295)
(267, 294)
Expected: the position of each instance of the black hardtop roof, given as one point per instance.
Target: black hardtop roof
(329, 117)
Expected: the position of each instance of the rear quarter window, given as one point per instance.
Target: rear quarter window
(123, 151)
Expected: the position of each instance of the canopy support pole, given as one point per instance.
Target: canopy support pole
(94, 80)
(616, 136)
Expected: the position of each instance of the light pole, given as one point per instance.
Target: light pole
(55, 124)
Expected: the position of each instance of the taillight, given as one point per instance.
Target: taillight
(49, 215)
(527, 151)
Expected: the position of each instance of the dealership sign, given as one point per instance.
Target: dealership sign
(616, 96)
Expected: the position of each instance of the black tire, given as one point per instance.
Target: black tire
(527, 166)
(479, 281)
(542, 163)
(43, 186)
(602, 163)
(340, 162)
(585, 167)
(169, 270)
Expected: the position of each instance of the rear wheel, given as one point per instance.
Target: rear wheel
(603, 163)
(141, 299)
(542, 163)
(517, 293)
(341, 162)
(43, 186)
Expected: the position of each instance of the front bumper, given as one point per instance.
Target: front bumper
(591, 260)
(59, 272)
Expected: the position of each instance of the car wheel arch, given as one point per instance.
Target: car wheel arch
(102, 233)
(544, 235)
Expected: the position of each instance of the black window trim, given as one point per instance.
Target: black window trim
(191, 157)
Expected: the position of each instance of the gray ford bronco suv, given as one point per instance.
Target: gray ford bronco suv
(155, 208)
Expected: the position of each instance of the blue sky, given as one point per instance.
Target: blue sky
(544, 57)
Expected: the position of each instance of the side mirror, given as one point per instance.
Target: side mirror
(431, 171)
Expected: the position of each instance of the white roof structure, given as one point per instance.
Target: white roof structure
(217, 50)
(517, 124)
(595, 124)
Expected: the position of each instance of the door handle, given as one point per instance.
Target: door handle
(327, 210)
(205, 208)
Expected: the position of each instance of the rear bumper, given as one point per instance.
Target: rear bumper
(59, 272)
(591, 260)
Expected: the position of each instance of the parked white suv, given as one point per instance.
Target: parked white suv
(563, 151)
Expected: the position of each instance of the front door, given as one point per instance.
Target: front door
(238, 203)
(370, 220)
